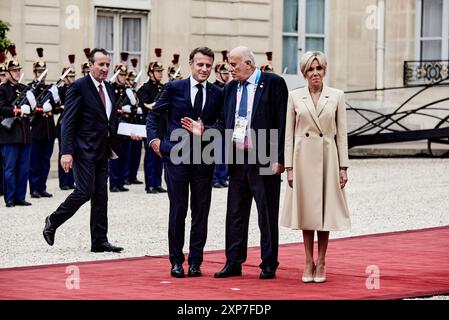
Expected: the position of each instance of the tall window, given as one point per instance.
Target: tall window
(121, 31)
(433, 29)
(304, 29)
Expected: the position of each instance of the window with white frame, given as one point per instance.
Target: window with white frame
(433, 29)
(121, 31)
(304, 29)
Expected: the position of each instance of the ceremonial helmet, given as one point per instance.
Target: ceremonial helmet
(13, 63)
(39, 64)
(132, 74)
(72, 72)
(171, 71)
(2, 62)
(122, 66)
(268, 67)
(156, 65)
(223, 67)
(85, 65)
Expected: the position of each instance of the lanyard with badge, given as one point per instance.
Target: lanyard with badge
(241, 122)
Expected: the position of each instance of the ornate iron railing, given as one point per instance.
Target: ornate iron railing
(391, 127)
(425, 72)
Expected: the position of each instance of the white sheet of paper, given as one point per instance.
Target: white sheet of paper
(127, 129)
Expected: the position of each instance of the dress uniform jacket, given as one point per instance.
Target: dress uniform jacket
(20, 131)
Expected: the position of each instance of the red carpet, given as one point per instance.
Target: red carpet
(411, 264)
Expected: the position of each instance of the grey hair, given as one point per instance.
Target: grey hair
(245, 53)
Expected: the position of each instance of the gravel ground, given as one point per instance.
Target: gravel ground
(384, 195)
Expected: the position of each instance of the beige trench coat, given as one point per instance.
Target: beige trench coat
(316, 147)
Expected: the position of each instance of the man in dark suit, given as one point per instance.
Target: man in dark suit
(185, 100)
(253, 102)
(88, 139)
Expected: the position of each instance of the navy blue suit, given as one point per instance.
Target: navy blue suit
(245, 180)
(88, 135)
(176, 102)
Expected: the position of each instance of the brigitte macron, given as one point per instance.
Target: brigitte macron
(316, 159)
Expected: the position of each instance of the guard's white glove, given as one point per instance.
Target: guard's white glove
(54, 92)
(139, 110)
(25, 109)
(126, 109)
(31, 99)
(131, 96)
(47, 106)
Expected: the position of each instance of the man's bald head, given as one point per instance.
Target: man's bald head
(242, 63)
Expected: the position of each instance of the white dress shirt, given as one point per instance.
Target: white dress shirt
(194, 90)
(106, 95)
(252, 87)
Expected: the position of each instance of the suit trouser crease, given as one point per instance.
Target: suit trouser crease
(245, 184)
(179, 179)
(91, 184)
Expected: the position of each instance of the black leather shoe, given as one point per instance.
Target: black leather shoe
(35, 195)
(135, 181)
(22, 203)
(151, 190)
(224, 184)
(229, 271)
(267, 273)
(123, 189)
(45, 194)
(114, 190)
(106, 247)
(194, 271)
(10, 204)
(217, 185)
(65, 188)
(160, 190)
(177, 271)
(72, 187)
(49, 232)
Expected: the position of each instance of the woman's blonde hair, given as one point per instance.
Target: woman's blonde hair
(308, 58)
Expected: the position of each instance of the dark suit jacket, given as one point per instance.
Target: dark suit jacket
(175, 100)
(269, 109)
(86, 132)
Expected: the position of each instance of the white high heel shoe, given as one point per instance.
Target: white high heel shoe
(308, 279)
(320, 279)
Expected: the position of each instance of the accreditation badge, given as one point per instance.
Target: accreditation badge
(241, 123)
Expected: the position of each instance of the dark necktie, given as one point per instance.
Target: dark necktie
(243, 109)
(198, 103)
(102, 96)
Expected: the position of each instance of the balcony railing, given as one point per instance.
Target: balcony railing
(425, 72)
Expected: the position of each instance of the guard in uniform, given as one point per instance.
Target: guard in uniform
(66, 180)
(43, 131)
(268, 67)
(125, 101)
(148, 95)
(2, 80)
(16, 104)
(136, 118)
(85, 65)
(222, 78)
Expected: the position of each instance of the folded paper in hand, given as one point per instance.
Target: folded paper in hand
(127, 129)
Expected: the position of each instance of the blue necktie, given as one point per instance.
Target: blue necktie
(243, 109)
